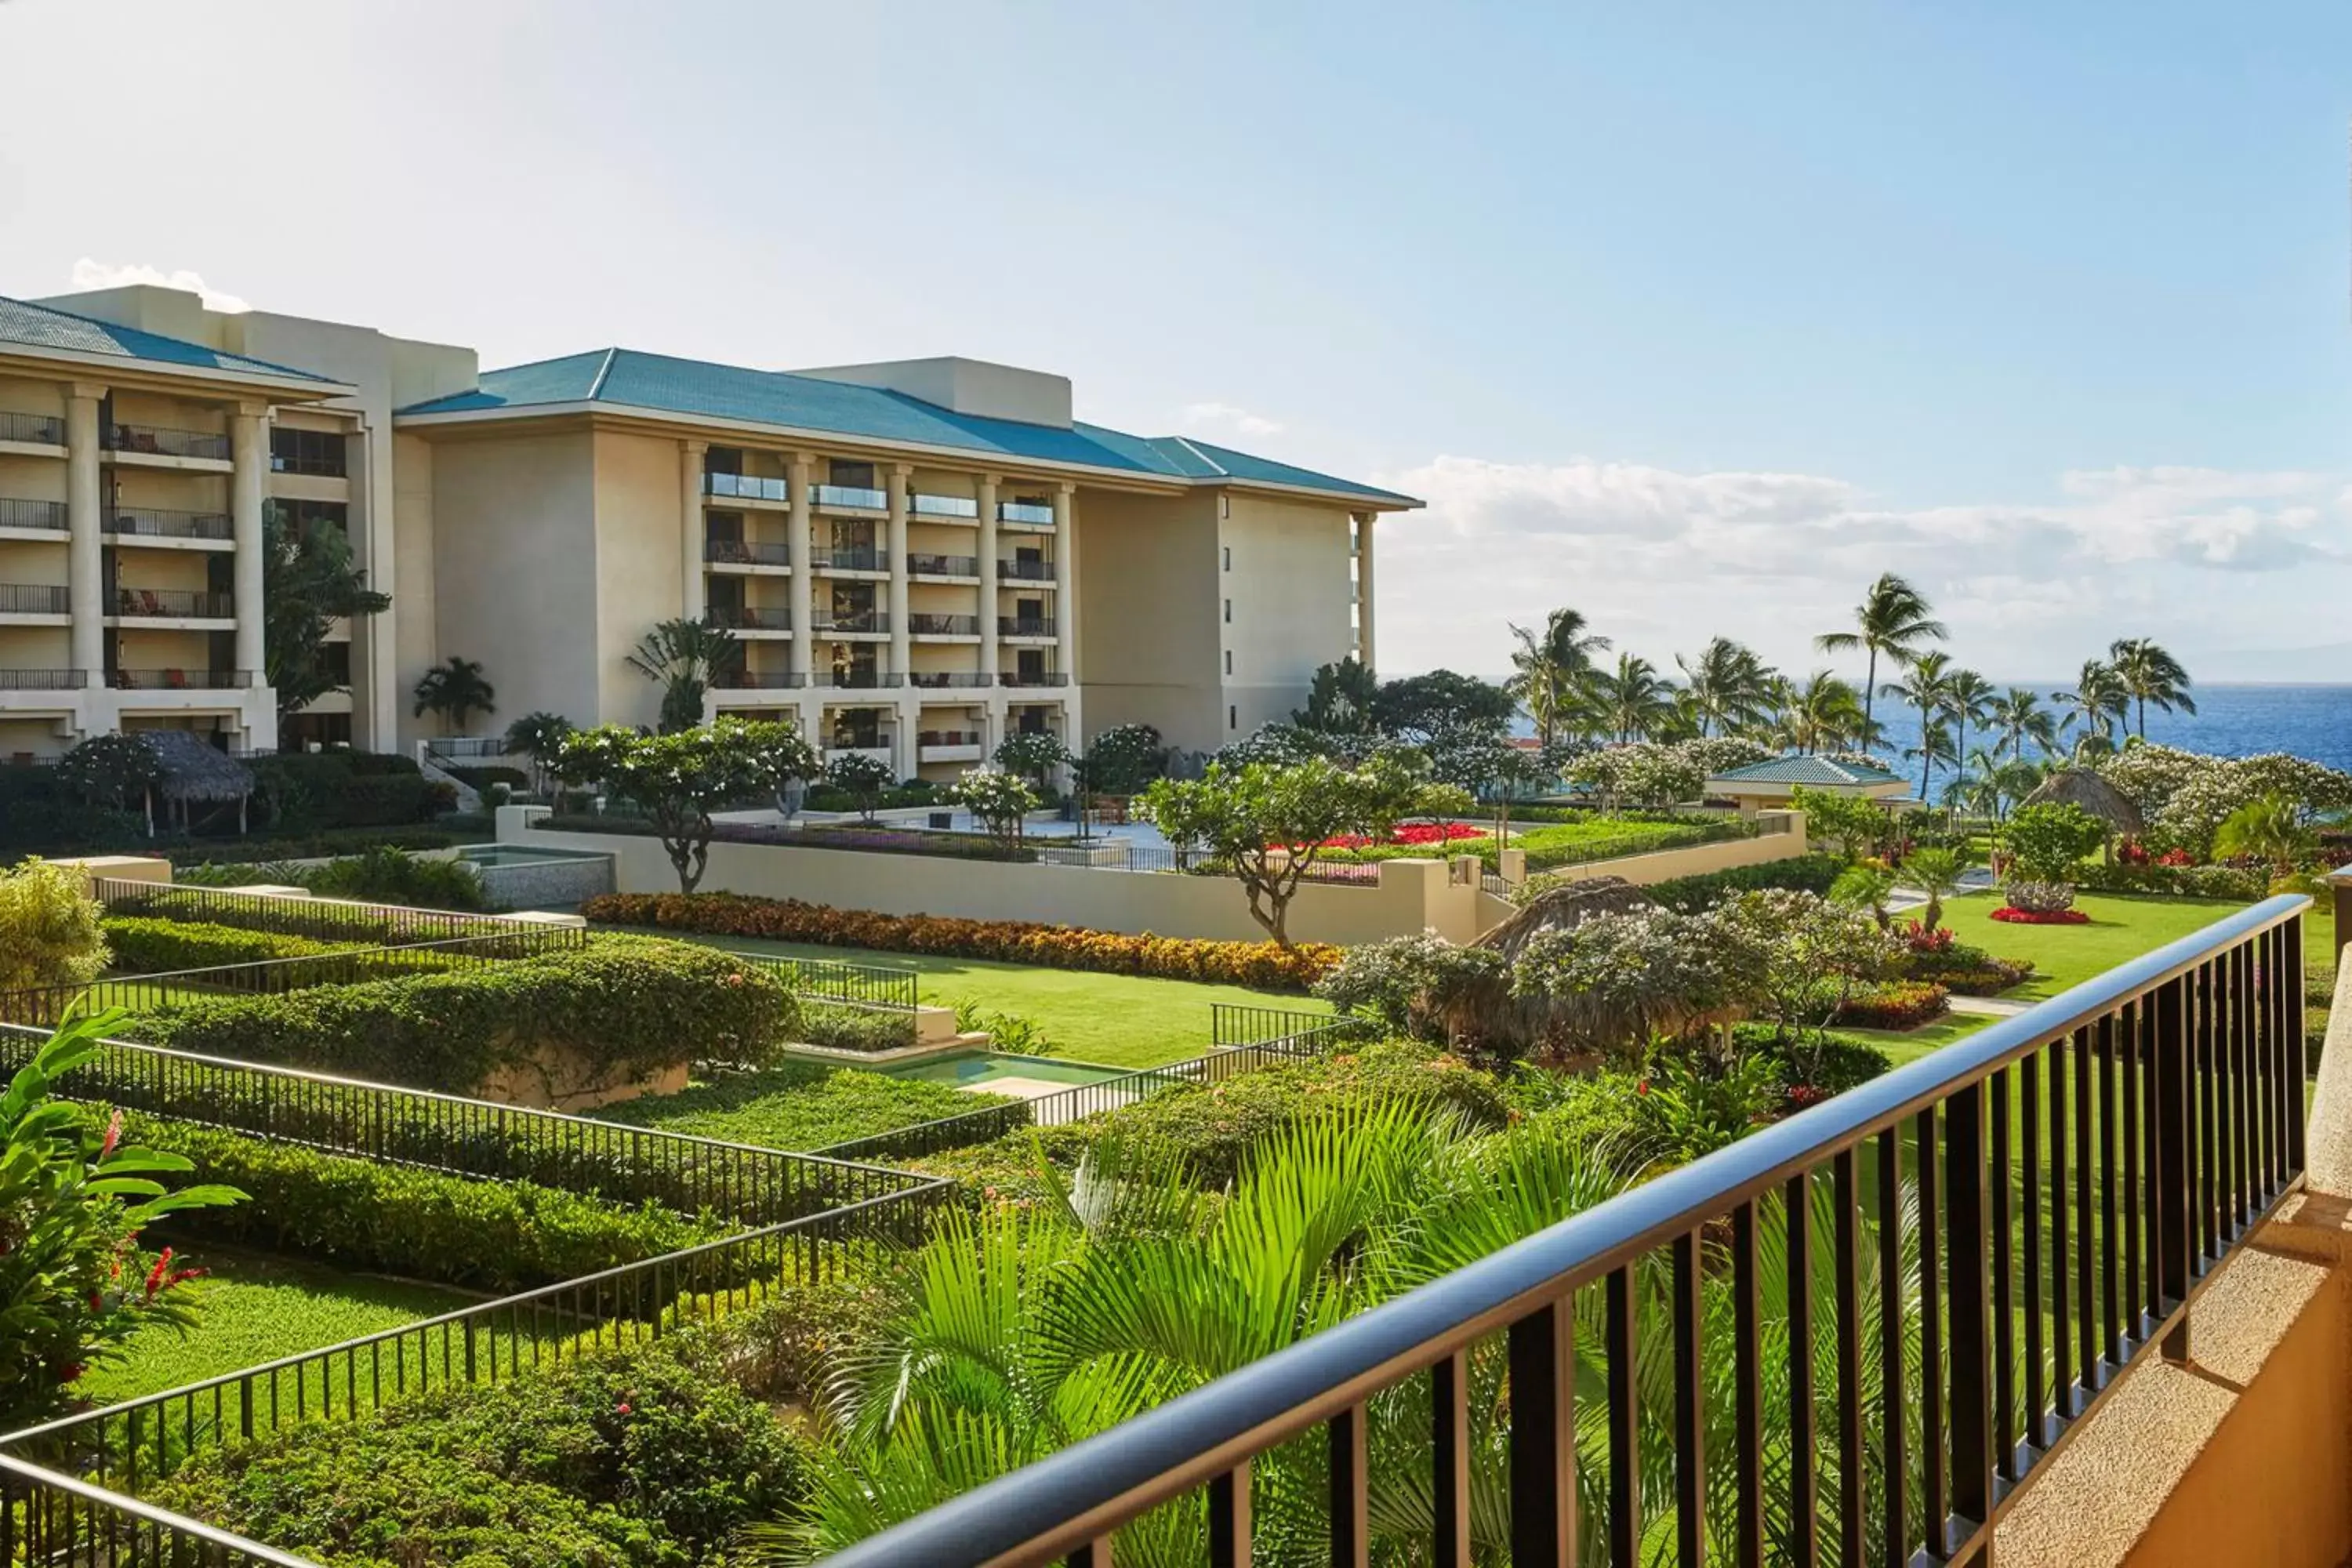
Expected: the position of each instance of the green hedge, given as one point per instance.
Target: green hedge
(499, 1236)
(306, 846)
(1809, 873)
(798, 1106)
(143, 944)
(849, 1028)
(652, 1457)
(623, 1003)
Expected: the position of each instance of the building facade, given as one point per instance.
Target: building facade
(918, 557)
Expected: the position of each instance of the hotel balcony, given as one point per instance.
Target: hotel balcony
(170, 530)
(753, 620)
(157, 446)
(882, 752)
(757, 680)
(949, 629)
(36, 519)
(37, 432)
(1025, 628)
(178, 679)
(857, 680)
(1025, 570)
(1043, 680)
(748, 488)
(853, 561)
(181, 605)
(1023, 514)
(848, 498)
(943, 509)
(754, 557)
(944, 568)
(949, 679)
(43, 679)
(950, 745)
(35, 605)
(857, 624)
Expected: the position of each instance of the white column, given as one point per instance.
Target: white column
(692, 598)
(1364, 589)
(902, 648)
(84, 552)
(1065, 608)
(249, 452)
(988, 594)
(803, 574)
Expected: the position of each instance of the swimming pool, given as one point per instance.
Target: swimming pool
(979, 1069)
(518, 854)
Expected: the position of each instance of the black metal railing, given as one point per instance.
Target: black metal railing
(855, 622)
(756, 681)
(941, 678)
(156, 440)
(745, 552)
(1248, 1024)
(197, 680)
(42, 429)
(1026, 571)
(32, 599)
(1964, 1256)
(1044, 677)
(154, 523)
(948, 738)
(43, 679)
(465, 746)
(45, 1517)
(866, 984)
(48, 515)
(859, 680)
(751, 618)
(1024, 626)
(327, 920)
(185, 604)
(942, 565)
(853, 558)
(926, 623)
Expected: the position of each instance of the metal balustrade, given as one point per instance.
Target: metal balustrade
(925, 623)
(1025, 570)
(33, 599)
(50, 516)
(174, 603)
(745, 553)
(154, 523)
(328, 919)
(43, 679)
(174, 680)
(1964, 1256)
(752, 617)
(40, 429)
(1024, 626)
(925, 565)
(156, 441)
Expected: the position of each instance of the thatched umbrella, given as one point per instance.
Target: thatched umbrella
(2081, 786)
(1489, 1011)
(1564, 908)
(196, 771)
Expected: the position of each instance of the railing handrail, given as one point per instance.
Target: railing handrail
(1082, 1493)
(161, 1518)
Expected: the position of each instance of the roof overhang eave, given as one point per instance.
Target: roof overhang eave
(284, 388)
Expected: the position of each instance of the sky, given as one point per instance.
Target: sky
(1695, 318)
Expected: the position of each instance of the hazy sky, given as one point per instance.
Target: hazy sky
(1695, 317)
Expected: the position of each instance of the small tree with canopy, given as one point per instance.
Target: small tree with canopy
(997, 801)
(864, 779)
(678, 779)
(539, 736)
(685, 655)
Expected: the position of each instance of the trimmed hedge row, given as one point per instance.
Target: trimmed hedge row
(1266, 965)
(621, 1003)
(1811, 873)
(850, 1028)
(499, 1236)
(142, 944)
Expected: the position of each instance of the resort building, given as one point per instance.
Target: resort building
(919, 556)
(1771, 784)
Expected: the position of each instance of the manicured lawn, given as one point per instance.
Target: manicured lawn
(2121, 929)
(255, 1308)
(798, 1106)
(1118, 1020)
(1908, 1045)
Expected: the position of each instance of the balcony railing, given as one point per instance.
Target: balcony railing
(42, 429)
(157, 441)
(151, 523)
(757, 680)
(174, 603)
(33, 599)
(746, 487)
(2011, 1223)
(943, 565)
(859, 680)
(855, 558)
(854, 496)
(44, 514)
(179, 680)
(1024, 514)
(943, 506)
(751, 618)
(948, 738)
(1024, 626)
(745, 553)
(939, 679)
(43, 679)
(1026, 571)
(928, 625)
(1046, 678)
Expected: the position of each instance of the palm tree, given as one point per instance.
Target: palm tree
(1822, 715)
(456, 689)
(1935, 871)
(1632, 699)
(2017, 716)
(539, 736)
(1925, 685)
(1935, 748)
(2098, 702)
(2270, 829)
(686, 656)
(2149, 674)
(1551, 671)
(1728, 685)
(1893, 619)
(1967, 698)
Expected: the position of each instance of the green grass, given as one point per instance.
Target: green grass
(2122, 928)
(255, 1308)
(1908, 1045)
(1118, 1020)
(798, 1106)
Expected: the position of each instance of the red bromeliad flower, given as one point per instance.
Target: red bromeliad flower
(2012, 916)
(162, 1277)
(113, 1136)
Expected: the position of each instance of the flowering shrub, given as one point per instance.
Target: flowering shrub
(1920, 939)
(1263, 964)
(2013, 916)
(1896, 1004)
(1422, 985)
(1408, 833)
(2175, 856)
(2131, 852)
(2039, 897)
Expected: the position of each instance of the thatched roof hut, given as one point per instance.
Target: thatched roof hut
(1564, 908)
(1489, 1011)
(2081, 786)
(195, 772)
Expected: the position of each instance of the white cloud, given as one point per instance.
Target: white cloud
(1662, 559)
(1223, 417)
(89, 273)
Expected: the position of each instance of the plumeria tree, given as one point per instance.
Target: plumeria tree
(997, 800)
(864, 779)
(678, 779)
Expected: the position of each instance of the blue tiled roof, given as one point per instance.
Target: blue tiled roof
(1819, 771)
(42, 327)
(627, 378)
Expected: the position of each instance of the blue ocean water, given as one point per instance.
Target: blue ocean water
(2313, 721)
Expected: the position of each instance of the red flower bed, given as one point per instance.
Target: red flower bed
(1896, 1004)
(2041, 917)
(1408, 833)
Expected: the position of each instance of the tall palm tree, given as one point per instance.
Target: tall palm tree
(1967, 698)
(1925, 686)
(1631, 699)
(1728, 685)
(1893, 619)
(685, 656)
(1822, 715)
(455, 689)
(2017, 716)
(1551, 670)
(2149, 674)
(2098, 703)
(1935, 748)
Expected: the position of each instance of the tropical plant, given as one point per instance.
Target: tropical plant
(677, 780)
(1868, 886)
(1339, 700)
(113, 769)
(1893, 620)
(2270, 829)
(2095, 705)
(1552, 669)
(1729, 687)
(2043, 843)
(997, 801)
(685, 656)
(1265, 825)
(1856, 824)
(1936, 870)
(1123, 759)
(1822, 715)
(1633, 700)
(456, 689)
(308, 583)
(73, 1283)
(539, 736)
(2017, 716)
(866, 779)
(1439, 708)
(2150, 675)
(1967, 699)
(50, 934)
(1032, 753)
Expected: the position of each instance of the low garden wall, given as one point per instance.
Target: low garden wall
(1699, 859)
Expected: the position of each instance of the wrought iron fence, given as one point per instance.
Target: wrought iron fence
(1908, 1297)
(866, 985)
(326, 920)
